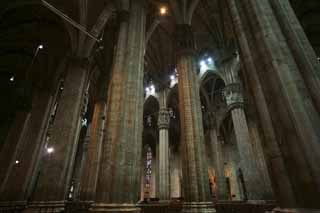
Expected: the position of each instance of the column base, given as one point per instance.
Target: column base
(280, 210)
(46, 206)
(114, 208)
(198, 207)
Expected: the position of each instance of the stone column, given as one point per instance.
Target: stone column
(153, 186)
(89, 176)
(175, 170)
(119, 173)
(300, 47)
(164, 177)
(218, 159)
(291, 97)
(252, 178)
(24, 160)
(8, 152)
(279, 176)
(80, 163)
(155, 170)
(195, 169)
(256, 142)
(53, 182)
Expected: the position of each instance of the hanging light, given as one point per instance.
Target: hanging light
(163, 10)
(40, 46)
(50, 150)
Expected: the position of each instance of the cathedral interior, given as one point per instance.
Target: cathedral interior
(160, 106)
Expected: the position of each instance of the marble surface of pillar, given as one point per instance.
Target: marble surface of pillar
(89, 177)
(53, 182)
(81, 159)
(252, 178)
(164, 176)
(119, 174)
(8, 152)
(218, 157)
(256, 142)
(195, 169)
(175, 173)
(286, 85)
(15, 187)
(279, 176)
(300, 46)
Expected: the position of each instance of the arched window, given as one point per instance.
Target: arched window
(148, 174)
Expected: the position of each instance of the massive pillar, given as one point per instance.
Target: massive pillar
(53, 182)
(119, 173)
(270, 35)
(90, 172)
(195, 169)
(164, 176)
(256, 142)
(81, 159)
(9, 150)
(218, 159)
(24, 160)
(254, 186)
(89, 177)
(175, 174)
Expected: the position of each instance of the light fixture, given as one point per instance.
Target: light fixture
(163, 10)
(147, 89)
(12, 79)
(40, 46)
(17, 162)
(172, 77)
(50, 150)
(202, 63)
(209, 60)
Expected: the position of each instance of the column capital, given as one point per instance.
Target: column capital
(233, 94)
(163, 119)
(184, 39)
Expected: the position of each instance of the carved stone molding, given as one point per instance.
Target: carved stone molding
(184, 39)
(163, 119)
(233, 94)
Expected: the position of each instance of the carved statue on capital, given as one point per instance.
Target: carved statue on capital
(233, 94)
(164, 119)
